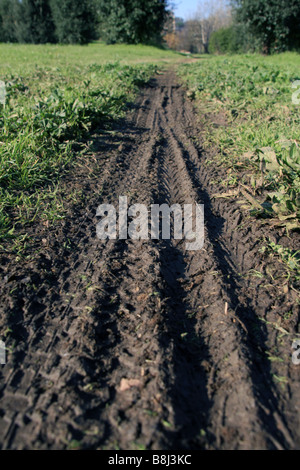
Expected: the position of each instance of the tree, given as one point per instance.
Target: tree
(212, 15)
(33, 22)
(75, 21)
(190, 37)
(132, 21)
(276, 23)
(9, 12)
(209, 17)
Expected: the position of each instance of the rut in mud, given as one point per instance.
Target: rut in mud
(144, 344)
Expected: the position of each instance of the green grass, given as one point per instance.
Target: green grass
(289, 258)
(20, 58)
(56, 96)
(260, 142)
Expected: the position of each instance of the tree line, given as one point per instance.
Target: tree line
(82, 21)
(218, 26)
(258, 25)
(239, 26)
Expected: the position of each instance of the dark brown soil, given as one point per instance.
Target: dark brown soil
(143, 344)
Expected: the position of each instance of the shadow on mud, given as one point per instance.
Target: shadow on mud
(255, 340)
(188, 388)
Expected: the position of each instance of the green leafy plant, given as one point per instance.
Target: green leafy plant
(41, 123)
(261, 132)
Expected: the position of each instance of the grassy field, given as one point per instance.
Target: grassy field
(136, 344)
(19, 57)
(55, 97)
(246, 104)
(260, 134)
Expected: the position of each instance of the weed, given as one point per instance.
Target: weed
(289, 258)
(50, 108)
(261, 134)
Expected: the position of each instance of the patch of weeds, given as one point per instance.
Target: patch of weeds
(283, 381)
(42, 124)
(289, 258)
(74, 445)
(261, 135)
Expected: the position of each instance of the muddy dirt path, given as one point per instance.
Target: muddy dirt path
(135, 344)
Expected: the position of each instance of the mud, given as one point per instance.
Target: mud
(133, 344)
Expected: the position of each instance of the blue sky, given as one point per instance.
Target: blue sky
(185, 7)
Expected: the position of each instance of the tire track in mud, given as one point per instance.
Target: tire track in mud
(234, 256)
(144, 344)
(243, 398)
(218, 323)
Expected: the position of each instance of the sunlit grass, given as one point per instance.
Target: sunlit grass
(260, 137)
(24, 58)
(56, 96)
